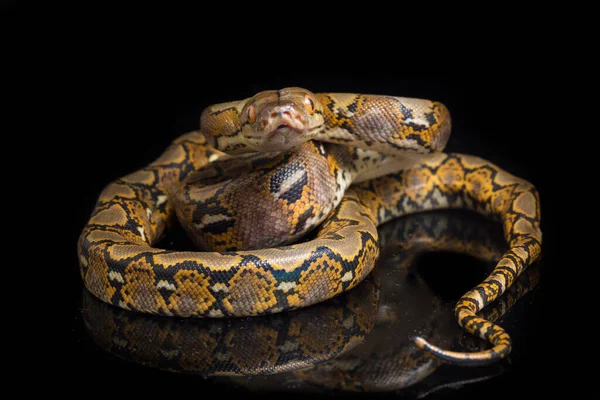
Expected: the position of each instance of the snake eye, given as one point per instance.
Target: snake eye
(251, 114)
(309, 104)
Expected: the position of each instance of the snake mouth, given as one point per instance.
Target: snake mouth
(283, 124)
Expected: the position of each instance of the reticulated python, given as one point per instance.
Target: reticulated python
(245, 204)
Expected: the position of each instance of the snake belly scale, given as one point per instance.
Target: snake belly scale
(255, 158)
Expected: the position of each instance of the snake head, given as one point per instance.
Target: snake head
(279, 120)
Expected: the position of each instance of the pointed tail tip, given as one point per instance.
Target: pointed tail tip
(420, 342)
(475, 359)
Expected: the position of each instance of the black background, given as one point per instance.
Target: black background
(126, 114)
(104, 90)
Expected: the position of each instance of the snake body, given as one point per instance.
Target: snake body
(357, 341)
(242, 207)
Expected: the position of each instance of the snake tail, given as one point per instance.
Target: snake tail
(461, 181)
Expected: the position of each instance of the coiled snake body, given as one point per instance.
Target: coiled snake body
(242, 205)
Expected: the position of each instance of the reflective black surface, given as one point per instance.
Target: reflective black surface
(140, 119)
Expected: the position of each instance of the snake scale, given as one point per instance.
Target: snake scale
(251, 182)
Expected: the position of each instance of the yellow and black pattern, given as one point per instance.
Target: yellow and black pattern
(341, 344)
(120, 266)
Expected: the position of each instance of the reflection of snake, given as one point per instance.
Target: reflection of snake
(283, 196)
(254, 346)
(316, 347)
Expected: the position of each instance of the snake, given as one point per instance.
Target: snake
(283, 193)
(348, 343)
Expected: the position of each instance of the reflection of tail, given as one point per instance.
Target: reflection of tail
(460, 383)
(526, 282)
(459, 181)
